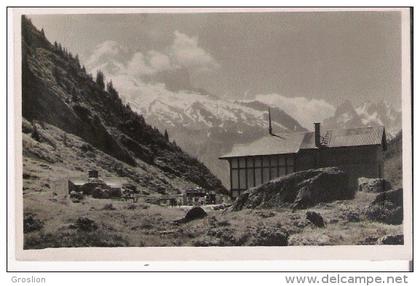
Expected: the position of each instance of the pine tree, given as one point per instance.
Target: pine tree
(100, 79)
(76, 58)
(166, 135)
(111, 90)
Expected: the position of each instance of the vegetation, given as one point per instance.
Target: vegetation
(393, 161)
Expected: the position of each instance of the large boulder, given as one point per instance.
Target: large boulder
(387, 207)
(373, 185)
(269, 237)
(298, 190)
(315, 218)
(391, 239)
(192, 214)
(195, 213)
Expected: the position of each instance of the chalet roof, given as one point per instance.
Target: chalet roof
(289, 143)
(111, 182)
(284, 143)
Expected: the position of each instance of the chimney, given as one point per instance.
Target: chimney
(317, 134)
(270, 129)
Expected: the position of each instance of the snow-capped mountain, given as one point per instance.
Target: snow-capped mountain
(207, 126)
(368, 114)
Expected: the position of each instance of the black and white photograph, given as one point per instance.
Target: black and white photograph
(215, 128)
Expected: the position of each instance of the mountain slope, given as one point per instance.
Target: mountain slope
(56, 90)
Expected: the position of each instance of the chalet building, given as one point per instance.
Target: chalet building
(357, 151)
(88, 185)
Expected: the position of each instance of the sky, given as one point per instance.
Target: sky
(313, 60)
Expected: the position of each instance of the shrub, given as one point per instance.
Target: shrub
(30, 223)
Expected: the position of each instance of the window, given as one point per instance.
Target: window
(234, 163)
(273, 161)
(266, 161)
(241, 162)
(258, 180)
(273, 172)
(242, 179)
(235, 183)
(282, 171)
(282, 160)
(266, 175)
(290, 165)
(257, 162)
(250, 163)
(250, 174)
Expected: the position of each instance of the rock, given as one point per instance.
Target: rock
(195, 213)
(76, 195)
(392, 239)
(298, 190)
(30, 223)
(350, 216)
(315, 218)
(373, 185)
(270, 237)
(109, 207)
(85, 224)
(192, 214)
(387, 207)
(265, 214)
(370, 240)
(393, 196)
(26, 126)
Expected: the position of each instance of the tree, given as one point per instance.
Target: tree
(35, 133)
(76, 58)
(166, 135)
(111, 90)
(100, 79)
(56, 73)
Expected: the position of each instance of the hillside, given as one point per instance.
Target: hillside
(393, 161)
(56, 90)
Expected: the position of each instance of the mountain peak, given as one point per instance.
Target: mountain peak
(368, 113)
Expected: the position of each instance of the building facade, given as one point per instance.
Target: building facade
(357, 151)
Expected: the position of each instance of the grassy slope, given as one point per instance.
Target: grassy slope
(393, 161)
